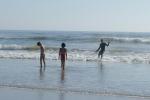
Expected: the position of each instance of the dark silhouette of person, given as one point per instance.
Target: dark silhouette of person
(101, 48)
(63, 55)
(42, 53)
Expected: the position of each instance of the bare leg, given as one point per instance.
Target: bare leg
(41, 61)
(44, 61)
(101, 56)
(63, 65)
(98, 54)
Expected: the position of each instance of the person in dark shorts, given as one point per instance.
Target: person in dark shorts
(63, 55)
(101, 48)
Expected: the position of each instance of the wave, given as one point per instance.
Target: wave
(127, 40)
(33, 38)
(15, 51)
(79, 55)
(84, 39)
(19, 47)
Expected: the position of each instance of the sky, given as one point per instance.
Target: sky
(76, 15)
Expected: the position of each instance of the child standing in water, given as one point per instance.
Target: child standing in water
(63, 55)
(42, 54)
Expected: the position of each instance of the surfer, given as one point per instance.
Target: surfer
(101, 48)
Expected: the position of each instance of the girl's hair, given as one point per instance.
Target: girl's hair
(63, 45)
(38, 43)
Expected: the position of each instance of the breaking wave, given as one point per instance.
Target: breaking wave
(32, 52)
(129, 40)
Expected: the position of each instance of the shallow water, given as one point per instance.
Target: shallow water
(79, 77)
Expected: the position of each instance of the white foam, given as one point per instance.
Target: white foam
(78, 56)
(128, 39)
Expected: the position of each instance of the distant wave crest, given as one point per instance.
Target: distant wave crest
(94, 39)
(127, 40)
(33, 38)
(19, 47)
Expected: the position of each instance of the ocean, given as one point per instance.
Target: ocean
(123, 74)
(128, 47)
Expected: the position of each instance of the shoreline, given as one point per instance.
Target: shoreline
(72, 91)
(7, 93)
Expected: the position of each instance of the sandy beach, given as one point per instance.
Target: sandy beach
(81, 80)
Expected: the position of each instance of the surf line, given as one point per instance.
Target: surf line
(76, 90)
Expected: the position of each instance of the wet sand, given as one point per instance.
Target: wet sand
(29, 94)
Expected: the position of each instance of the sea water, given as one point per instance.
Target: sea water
(129, 47)
(84, 78)
(124, 70)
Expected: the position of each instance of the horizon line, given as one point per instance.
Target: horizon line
(46, 30)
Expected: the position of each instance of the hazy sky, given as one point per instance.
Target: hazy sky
(76, 15)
